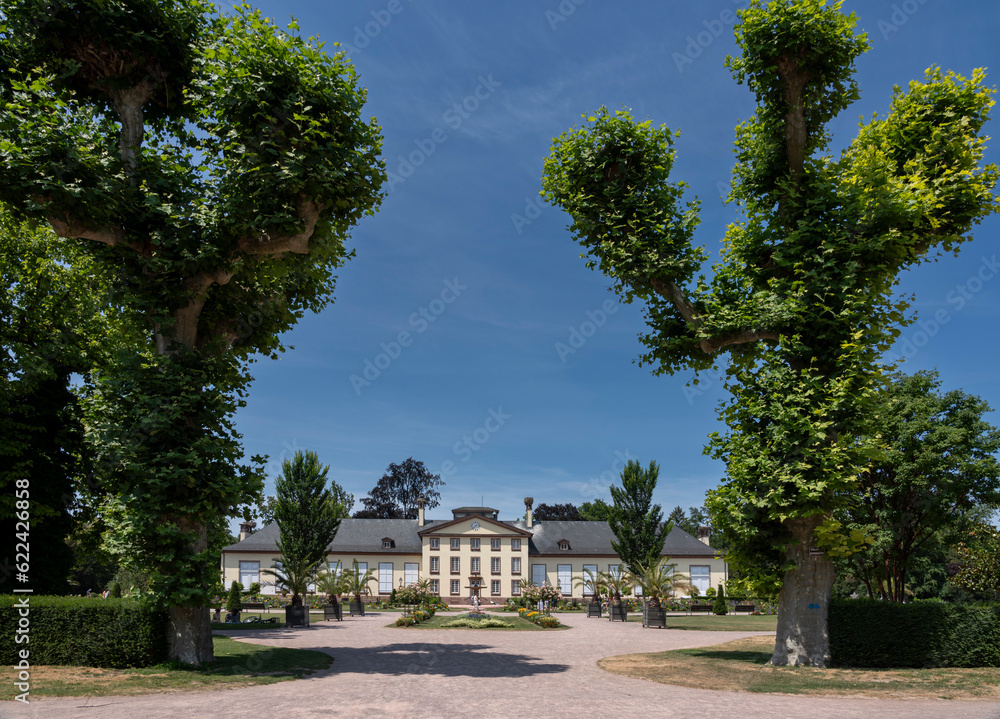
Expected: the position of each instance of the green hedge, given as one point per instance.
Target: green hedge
(870, 633)
(113, 633)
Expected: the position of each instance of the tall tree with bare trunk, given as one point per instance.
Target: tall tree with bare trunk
(802, 300)
(214, 165)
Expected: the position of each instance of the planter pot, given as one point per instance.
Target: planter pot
(357, 609)
(618, 612)
(296, 616)
(653, 615)
(594, 609)
(333, 611)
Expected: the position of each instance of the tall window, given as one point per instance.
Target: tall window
(434, 586)
(495, 545)
(456, 543)
(454, 586)
(474, 545)
(495, 587)
(515, 545)
(334, 568)
(495, 565)
(435, 543)
(475, 565)
(615, 570)
(411, 573)
(589, 574)
(515, 565)
(564, 573)
(456, 566)
(701, 577)
(435, 565)
(249, 573)
(515, 588)
(362, 568)
(538, 574)
(384, 577)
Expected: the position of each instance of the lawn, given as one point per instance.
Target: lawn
(742, 666)
(236, 664)
(713, 623)
(438, 621)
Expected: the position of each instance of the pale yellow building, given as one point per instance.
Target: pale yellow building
(474, 552)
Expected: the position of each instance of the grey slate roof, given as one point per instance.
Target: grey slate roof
(354, 537)
(365, 535)
(595, 538)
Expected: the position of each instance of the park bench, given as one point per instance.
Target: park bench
(748, 608)
(700, 608)
(253, 607)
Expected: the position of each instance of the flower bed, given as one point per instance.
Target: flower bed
(543, 620)
(477, 620)
(410, 620)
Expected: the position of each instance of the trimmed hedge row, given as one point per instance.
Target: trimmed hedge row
(111, 633)
(870, 633)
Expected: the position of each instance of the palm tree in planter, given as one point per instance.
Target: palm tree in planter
(294, 578)
(591, 581)
(616, 585)
(658, 581)
(332, 584)
(356, 585)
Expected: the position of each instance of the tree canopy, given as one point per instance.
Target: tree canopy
(802, 300)
(557, 512)
(306, 510)
(395, 494)
(213, 167)
(636, 522)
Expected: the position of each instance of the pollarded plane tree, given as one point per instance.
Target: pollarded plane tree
(215, 166)
(802, 299)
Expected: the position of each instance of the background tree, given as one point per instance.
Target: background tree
(801, 300)
(937, 465)
(980, 562)
(214, 167)
(637, 523)
(54, 323)
(395, 495)
(596, 511)
(689, 521)
(557, 512)
(308, 517)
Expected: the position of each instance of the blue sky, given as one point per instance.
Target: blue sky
(487, 282)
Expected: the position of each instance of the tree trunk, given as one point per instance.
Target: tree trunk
(189, 630)
(804, 602)
(190, 635)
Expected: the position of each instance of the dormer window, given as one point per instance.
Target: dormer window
(387, 543)
(563, 544)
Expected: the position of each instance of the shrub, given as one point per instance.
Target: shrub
(870, 633)
(115, 590)
(110, 633)
(710, 592)
(548, 622)
(405, 621)
(234, 604)
(254, 589)
(719, 606)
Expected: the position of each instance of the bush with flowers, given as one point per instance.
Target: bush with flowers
(543, 620)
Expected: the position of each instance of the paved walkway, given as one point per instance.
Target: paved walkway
(418, 674)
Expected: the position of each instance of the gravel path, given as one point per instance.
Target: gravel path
(412, 673)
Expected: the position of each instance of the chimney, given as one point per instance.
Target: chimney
(528, 501)
(704, 533)
(421, 501)
(246, 529)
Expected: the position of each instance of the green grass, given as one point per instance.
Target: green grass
(712, 623)
(519, 624)
(742, 665)
(237, 664)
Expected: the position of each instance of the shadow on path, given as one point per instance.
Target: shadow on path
(450, 660)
